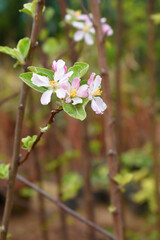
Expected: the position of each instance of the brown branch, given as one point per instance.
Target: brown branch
(65, 208)
(151, 73)
(4, 100)
(19, 122)
(50, 120)
(115, 194)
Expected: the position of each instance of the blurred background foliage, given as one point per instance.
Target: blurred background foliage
(137, 150)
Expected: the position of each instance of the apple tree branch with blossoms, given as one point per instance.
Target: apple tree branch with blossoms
(71, 92)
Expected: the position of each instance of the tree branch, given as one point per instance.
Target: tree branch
(50, 120)
(108, 128)
(19, 121)
(65, 208)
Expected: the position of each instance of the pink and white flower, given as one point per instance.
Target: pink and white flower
(85, 31)
(106, 28)
(97, 104)
(53, 86)
(75, 15)
(75, 92)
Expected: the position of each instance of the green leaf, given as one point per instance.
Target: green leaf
(18, 53)
(26, 77)
(76, 111)
(79, 69)
(112, 208)
(9, 51)
(23, 46)
(30, 8)
(45, 129)
(42, 71)
(4, 171)
(28, 142)
(123, 179)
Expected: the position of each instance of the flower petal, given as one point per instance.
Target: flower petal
(76, 83)
(46, 97)
(107, 30)
(66, 77)
(78, 25)
(83, 91)
(68, 100)
(76, 100)
(57, 65)
(98, 105)
(97, 83)
(88, 39)
(40, 81)
(78, 36)
(90, 80)
(61, 93)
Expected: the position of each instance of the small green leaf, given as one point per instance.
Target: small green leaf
(45, 129)
(112, 208)
(79, 69)
(123, 179)
(23, 46)
(42, 71)
(26, 77)
(28, 142)
(4, 171)
(76, 111)
(19, 53)
(9, 51)
(30, 8)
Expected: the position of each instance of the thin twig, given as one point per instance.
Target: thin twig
(4, 100)
(50, 120)
(65, 208)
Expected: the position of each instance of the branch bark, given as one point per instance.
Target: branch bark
(19, 121)
(66, 209)
(50, 120)
(115, 194)
(151, 72)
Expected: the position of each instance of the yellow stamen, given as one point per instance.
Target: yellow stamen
(86, 28)
(78, 13)
(98, 92)
(73, 93)
(52, 83)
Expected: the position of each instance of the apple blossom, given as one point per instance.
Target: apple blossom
(94, 93)
(75, 92)
(85, 31)
(106, 28)
(59, 78)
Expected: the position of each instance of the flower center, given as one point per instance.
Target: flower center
(52, 83)
(78, 13)
(86, 28)
(98, 92)
(73, 93)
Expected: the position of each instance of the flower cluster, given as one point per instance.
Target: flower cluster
(70, 92)
(84, 24)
